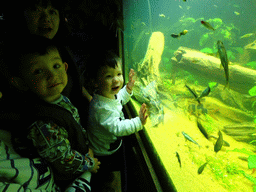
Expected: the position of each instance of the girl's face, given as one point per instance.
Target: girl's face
(110, 81)
(43, 21)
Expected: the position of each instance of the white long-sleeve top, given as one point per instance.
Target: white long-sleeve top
(107, 123)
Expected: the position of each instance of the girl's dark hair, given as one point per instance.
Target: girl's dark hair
(101, 58)
(96, 59)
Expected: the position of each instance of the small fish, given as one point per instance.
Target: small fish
(247, 35)
(218, 143)
(207, 25)
(235, 12)
(224, 60)
(201, 168)
(162, 15)
(205, 93)
(175, 35)
(193, 93)
(180, 34)
(202, 129)
(178, 157)
(180, 7)
(225, 143)
(189, 138)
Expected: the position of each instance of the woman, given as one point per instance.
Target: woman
(44, 18)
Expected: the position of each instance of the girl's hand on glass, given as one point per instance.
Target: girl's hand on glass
(142, 114)
(131, 82)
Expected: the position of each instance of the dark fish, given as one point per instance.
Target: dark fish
(189, 138)
(193, 93)
(180, 34)
(225, 143)
(178, 157)
(224, 60)
(202, 129)
(205, 93)
(207, 25)
(201, 168)
(218, 143)
(175, 35)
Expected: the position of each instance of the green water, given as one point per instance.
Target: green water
(174, 110)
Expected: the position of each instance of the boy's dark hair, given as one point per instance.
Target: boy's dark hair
(32, 44)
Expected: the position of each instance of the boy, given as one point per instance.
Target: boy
(53, 128)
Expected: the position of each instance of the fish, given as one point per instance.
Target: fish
(189, 138)
(178, 157)
(193, 93)
(201, 168)
(204, 93)
(162, 15)
(247, 35)
(235, 12)
(219, 143)
(207, 25)
(224, 60)
(225, 143)
(202, 129)
(184, 32)
(175, 35)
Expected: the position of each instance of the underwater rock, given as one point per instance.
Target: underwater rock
(207, 67)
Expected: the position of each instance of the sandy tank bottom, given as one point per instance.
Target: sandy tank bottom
(222, 170)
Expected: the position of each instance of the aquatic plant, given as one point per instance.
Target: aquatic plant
(252, 161)
(251, 64)
(240, 50)
(252, 91)
(206, 50)
(224, 32)
(251, 178)
(243, 150)
(230, 55)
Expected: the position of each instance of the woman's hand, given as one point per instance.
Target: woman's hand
(131, 82)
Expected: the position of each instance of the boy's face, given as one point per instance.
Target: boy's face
(110, 81)
(45, 75)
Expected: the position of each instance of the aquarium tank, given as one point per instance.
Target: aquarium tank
(195, 63)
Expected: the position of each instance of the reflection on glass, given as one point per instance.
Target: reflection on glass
(196, 70)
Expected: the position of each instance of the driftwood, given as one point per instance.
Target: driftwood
(146, 85)
(245, 132)
(241, 79)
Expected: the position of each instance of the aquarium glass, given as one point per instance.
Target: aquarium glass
(195, 64)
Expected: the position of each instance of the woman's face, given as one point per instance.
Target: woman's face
(43, 21)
